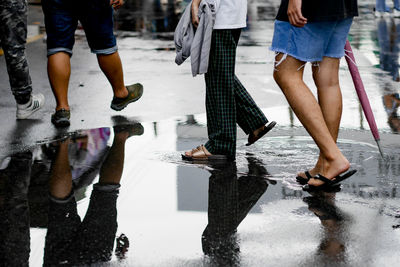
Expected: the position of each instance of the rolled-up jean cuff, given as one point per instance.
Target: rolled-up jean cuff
(56, 50)
(107, 51)
(106, 187)
(63, 200)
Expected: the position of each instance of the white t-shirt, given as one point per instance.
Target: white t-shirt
(231, 14)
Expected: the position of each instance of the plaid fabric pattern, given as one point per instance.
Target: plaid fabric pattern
(227, 101)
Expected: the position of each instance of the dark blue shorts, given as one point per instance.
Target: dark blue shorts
(61, 20)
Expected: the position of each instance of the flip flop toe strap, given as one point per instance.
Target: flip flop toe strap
(323, 179)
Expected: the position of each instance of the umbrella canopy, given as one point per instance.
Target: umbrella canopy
(362, 95)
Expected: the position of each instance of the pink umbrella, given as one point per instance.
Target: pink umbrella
(362, 95)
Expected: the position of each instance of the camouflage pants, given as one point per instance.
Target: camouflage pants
(13, 31)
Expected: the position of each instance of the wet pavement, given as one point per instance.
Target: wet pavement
(167, 212)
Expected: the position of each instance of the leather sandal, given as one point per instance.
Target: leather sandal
(201, 153)
(254, 138)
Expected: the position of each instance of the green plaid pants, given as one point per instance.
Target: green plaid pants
(227, 101)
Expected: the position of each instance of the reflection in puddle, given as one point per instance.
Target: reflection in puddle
(335, 224)
(230, 199)
(41, 188)
(215, 214)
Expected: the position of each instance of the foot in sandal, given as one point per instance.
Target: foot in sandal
(201, 153)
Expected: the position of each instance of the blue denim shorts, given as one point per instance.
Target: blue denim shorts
(313, 41)
(61, 20)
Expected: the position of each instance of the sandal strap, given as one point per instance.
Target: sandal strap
(323, 179)
(308, 175)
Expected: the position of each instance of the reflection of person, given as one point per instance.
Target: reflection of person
(314, 31)
(61, 20)
(332, 245)
(70, 240)
(13, 31)
(229, 201)
(389, 40)
(227, 100)
(391, 103)
(382, 9)
(14, 210)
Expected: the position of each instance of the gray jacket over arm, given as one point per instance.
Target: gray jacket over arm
(193, 42)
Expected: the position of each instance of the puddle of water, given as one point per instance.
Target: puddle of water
(175, 213)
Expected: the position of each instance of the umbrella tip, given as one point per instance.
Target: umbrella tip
(380, 148)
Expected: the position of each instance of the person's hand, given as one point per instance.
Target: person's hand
(116, 3)
(294, 13)
(195, 12)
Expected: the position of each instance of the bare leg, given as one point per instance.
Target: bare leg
(61, 177)
(326, 78)
(111, 170)
(112, 67)
(59, 71)
(290, 80)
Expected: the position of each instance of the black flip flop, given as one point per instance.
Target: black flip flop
(260, 134)
(328, 184)
(301, 180)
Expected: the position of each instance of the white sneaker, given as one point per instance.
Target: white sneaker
(34, 104)
(396, 13)
(381, 14)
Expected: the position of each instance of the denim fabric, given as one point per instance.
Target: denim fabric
(382, 7)
(313, 41)
(96, 17)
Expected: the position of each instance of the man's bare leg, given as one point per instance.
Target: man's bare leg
(289, 76)
(59, 72)
(112, 68)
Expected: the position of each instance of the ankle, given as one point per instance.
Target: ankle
(121, 93)
(60, 107)
(258, 130)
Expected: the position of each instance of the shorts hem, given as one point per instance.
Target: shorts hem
(107, 51)
(56, 50)
(334, 56)
(279, 50)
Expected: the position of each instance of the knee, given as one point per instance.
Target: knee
(278, 77)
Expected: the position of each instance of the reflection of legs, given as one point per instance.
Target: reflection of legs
(332, 220)
(112, 67)
(111, 170)
(63, 215)
(60, 184)
(219, 240)
(100, 223)
(97, 232)
(326, 78)
(290, 79)
(14, 212)
(59, 71)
